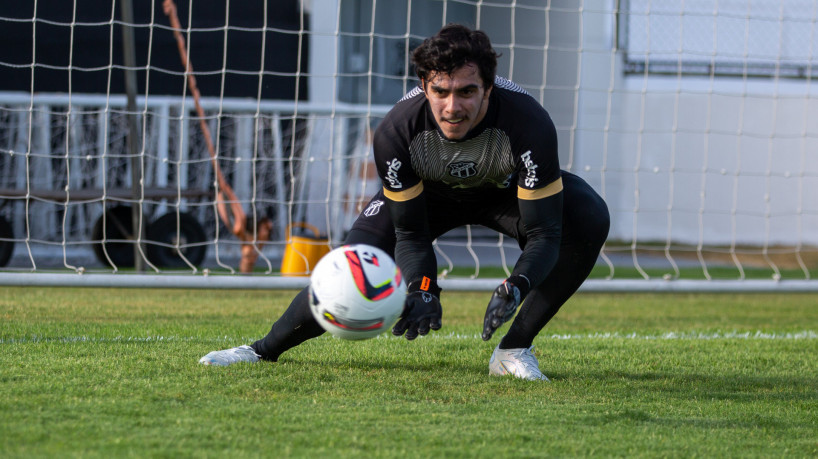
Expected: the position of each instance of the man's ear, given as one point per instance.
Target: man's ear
(488, 92)
(423, 87)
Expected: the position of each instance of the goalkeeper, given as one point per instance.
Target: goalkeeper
(467, 148)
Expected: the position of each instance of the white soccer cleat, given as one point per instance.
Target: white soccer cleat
(230, 356)
(519, 363)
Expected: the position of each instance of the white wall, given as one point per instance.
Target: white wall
(714, 159)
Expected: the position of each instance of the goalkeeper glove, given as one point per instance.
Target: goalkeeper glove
(421, 312)
(503, 304)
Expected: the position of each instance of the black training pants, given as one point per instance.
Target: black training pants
(585, 229)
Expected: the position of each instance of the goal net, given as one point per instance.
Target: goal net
(175, 144)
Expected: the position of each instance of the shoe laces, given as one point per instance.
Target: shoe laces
(238, 353)
(527, 358)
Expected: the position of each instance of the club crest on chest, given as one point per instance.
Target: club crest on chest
(463, 169)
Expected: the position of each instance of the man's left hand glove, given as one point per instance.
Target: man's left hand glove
(503, 305)
(421, 312)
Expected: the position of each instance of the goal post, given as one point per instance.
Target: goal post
(694, 120)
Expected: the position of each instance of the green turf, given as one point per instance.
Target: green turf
(114, 372)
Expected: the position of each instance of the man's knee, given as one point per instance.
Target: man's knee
(385, 242)
(601, 222)
(585, 210)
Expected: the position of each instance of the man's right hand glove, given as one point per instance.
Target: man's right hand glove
(421, 312)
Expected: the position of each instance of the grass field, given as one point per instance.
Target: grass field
(113, 373)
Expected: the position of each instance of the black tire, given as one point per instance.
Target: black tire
(6, 242)
(190, 236)
(118, 226)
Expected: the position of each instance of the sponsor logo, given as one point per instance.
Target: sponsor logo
(392, 173)
(373, 208)
(462, 169)
(531, 174)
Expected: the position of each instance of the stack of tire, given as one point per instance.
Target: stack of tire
(174, 240)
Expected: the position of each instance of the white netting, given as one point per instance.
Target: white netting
(695, 121)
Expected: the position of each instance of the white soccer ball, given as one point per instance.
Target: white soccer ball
(356, 292)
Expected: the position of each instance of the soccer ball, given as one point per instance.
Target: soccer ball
(356, 292)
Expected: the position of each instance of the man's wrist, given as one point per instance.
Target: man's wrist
(522, 283)
(424, 284)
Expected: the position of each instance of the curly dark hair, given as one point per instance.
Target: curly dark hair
(452, 47)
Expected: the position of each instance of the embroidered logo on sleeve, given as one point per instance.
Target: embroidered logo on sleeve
(392, 173)
(531, 170)
(373, 208)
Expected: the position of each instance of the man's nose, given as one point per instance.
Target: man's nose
(452, 104)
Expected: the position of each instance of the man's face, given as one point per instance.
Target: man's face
(459, 101)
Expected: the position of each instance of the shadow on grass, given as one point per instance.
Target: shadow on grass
(436, 367)
(732, 388)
